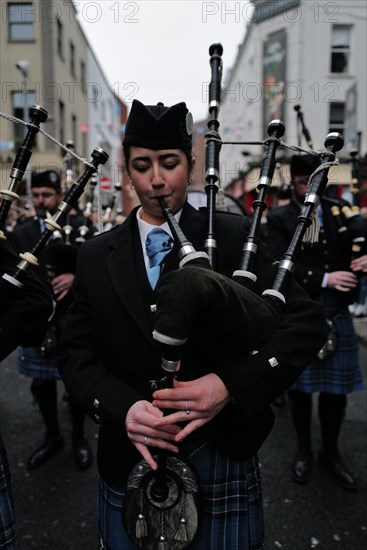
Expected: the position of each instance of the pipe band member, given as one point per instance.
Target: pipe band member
(56, 267)
(109, 360)
(23, 321)
(325, 270)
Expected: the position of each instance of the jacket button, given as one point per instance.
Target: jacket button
(273, 362)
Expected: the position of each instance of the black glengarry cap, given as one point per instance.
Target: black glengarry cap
(49, 178)
(159, 127)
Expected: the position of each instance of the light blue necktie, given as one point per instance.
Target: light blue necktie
(158, 245)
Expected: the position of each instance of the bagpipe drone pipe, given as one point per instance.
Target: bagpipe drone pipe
(23, 156)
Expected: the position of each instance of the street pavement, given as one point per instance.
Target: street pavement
(55, 505)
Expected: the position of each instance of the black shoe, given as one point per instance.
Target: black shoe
(83, 455)
(302, 466)
(334, 465)
(49, 447)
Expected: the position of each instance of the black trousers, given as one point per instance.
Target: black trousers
(45, 393)
(331, 412)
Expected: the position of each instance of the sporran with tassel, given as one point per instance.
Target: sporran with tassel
(163, 518)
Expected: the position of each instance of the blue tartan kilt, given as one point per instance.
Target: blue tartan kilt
(339, 373)
(231, 511)
(7, 517)
(31, 363)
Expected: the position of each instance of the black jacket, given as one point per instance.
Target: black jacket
(24, 312)
(108, 355)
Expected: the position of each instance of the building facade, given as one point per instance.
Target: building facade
(297, 58)
(46, 59)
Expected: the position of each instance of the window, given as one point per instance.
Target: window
(111, 113)
(74, 130)
(62, 122)
(340, 49)
(60, 39)
(72, 59)
(337, 117)
(82, 74)
(21, 102)
(21, 22)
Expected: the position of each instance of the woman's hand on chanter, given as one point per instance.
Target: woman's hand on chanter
(195, 402)
(142, 432)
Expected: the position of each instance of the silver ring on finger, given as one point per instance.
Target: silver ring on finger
(145, 440)
(187, 408)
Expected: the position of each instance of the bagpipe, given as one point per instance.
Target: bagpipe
(161, 508)
(11, 283)
(61, 251)
(77, 225)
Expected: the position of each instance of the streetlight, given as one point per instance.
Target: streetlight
(23, 66)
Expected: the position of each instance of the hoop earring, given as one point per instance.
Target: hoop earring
(131, 185)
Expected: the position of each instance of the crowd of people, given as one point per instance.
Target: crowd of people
(105, 293)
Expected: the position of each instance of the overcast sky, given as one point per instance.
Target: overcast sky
(159, 50)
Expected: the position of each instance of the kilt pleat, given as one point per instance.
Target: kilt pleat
(31, 363)
(231, 496)
(7, 517)
(339, 373)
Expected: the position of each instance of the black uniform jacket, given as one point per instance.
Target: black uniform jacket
(108, 355)
(332, 252)
(24, 312)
